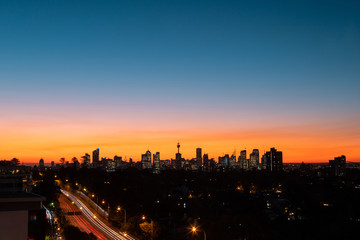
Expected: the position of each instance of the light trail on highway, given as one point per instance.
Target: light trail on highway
(91, 217)
(78, 220)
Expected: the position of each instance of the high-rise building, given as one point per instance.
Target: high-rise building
(146, 160)
(41, 164)
(86, 160)
(96, 158)
(224, 161)
(232, 161)
(243, 162)
(178, 158)
(52, 164)
(206, 162)
(338, 166)
(273, 160)
(156, 162)
(254, 159)
(198, 157)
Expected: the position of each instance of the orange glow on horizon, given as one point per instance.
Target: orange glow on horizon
(312, 143)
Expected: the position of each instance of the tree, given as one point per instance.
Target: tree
(15, 161)
(62, 161)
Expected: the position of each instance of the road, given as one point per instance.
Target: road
(96, 222)
(78, 220)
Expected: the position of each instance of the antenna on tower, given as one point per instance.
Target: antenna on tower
(178, 147)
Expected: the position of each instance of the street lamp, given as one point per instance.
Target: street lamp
(103, 202)
(194, 230)
(119, 209)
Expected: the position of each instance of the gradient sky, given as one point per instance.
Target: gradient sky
(127, 76)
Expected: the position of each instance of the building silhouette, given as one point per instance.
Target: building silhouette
(86, 160)
(254, 159)
(243, 162)
(156, 163)
(199, 157)
(178, 159)
(273, 160)
(41, 165)
(338, 166)
(206, 162)
(146, 160)
(96, 157)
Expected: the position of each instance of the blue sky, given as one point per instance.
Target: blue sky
(292, 60)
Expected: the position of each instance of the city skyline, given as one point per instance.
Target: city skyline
(126, 76)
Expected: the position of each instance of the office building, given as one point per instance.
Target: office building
(206, 162)
(273, 160)
(243, 162)
(146, 160)
(338, 166)
(198, 157)
(254, 159)
(96, 158)
(156, 163)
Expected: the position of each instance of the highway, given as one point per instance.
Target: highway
(91, 217)
(78, 220)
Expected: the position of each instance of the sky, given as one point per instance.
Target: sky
(128, 76)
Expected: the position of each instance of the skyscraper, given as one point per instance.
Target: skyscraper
(244, 163)
(156, 162)
(338, 166)
(146, 160)
(42, 165)
(198, 157)
(206, 162)
(178, 158)
(254, 159)
(86, 160)
(224, 161)
(232, 161)
(274, 160)
(96, 158)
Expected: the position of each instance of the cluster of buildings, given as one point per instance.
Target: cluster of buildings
(271, 160)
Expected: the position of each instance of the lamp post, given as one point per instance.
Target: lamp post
(119, 209)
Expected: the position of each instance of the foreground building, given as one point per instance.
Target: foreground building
(21, 212)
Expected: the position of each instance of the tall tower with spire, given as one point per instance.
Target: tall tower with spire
(178, 158)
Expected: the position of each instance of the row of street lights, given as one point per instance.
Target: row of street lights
(194, 229)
